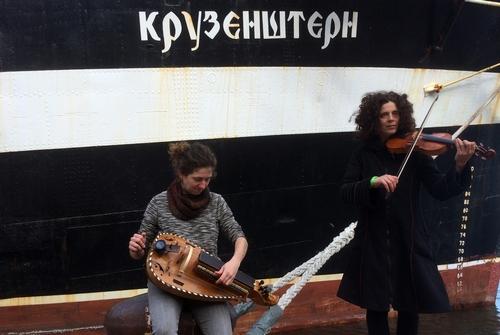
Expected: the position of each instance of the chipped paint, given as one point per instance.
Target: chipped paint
(127, 106)
(41, 300)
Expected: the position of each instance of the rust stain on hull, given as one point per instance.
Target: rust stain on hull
(317, 305)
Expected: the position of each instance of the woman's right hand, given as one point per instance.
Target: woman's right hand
(137, 245)
(386, 181)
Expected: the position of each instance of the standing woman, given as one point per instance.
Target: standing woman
(188, 208)
(392, 263)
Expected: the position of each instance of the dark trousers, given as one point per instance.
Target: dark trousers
(378, 324)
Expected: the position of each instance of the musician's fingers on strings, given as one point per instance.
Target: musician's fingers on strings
(471, 147)
(225, 276)
(465, 148)
(220, 273)
(459, 145)
(228, 278)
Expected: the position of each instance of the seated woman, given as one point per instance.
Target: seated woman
(188, 208)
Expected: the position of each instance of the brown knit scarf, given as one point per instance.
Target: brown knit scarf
(186, 206)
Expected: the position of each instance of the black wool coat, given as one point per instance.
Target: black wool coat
(392, 262)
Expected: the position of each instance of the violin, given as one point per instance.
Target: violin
(432, 144)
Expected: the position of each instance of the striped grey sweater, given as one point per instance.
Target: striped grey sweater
(203, 230)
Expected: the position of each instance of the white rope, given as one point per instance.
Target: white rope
(307, 270)
(310, 267)
(484, 2)
(476, 114)
(436, 87)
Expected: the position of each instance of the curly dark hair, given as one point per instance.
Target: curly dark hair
(186, 157)
(367, 116)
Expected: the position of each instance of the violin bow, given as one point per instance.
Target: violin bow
(408, 154)
(476, 114)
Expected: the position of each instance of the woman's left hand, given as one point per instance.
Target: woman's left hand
(465, 150)
(227, 272)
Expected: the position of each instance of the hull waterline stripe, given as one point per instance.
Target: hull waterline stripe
(57, 331)
(82, 297)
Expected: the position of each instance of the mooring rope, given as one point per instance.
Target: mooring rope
(306, 271)
(436, 87)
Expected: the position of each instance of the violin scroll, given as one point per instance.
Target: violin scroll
(484, 152)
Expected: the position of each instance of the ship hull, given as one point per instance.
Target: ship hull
(91, 94)
(315, 306)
